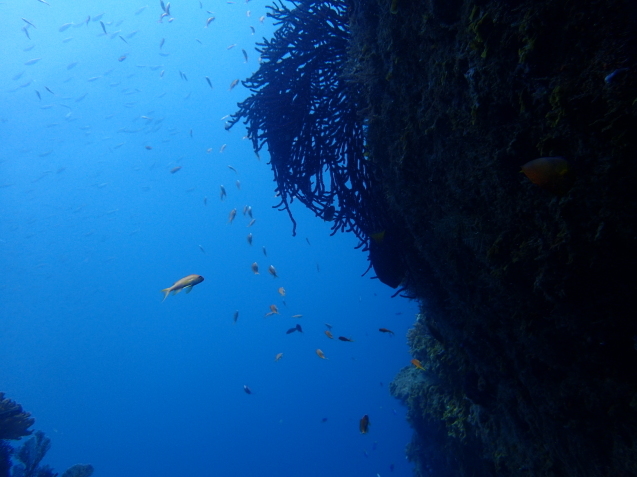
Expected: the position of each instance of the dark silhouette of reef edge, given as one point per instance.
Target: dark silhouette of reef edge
(528, 330)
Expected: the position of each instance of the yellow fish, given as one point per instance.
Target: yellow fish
(185, 283)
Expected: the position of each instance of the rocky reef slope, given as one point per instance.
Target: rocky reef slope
(528, 331)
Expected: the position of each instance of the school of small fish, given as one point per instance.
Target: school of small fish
(104, 28)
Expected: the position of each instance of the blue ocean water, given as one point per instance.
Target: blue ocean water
(94, 224)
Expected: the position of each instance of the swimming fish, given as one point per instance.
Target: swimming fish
(205, 201)
(553, 174)
(273, 311)
(223, 192)
(385, 330)
(417, 363)
(342, 338)
(235, 171)
(235, 317)
(103, 27)
(264, 251)
(175, 169)
(233, 84)
(278, 357)
(363, 425)
(247, 389)
(255, 268)
(185, 283)
(27, 21)
(291, 330)
(209, 21)
(329, 327)
(238, 184)
(201, 248)
(251, 223)
(249, 239)
(281, 291)
(320, 354)
(272, 271)
(231, 46)
(223, 147)
(329, 334)
(245, 55)
(297, 316)
(232, 215)
(161, 43)
(209, 82)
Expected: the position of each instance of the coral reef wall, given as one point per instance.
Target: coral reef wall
(528, 330)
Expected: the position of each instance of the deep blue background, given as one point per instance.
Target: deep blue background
(93, 225)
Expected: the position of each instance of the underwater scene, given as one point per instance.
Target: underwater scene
(158, 316)
(318, 238)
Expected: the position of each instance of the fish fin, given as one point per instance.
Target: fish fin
(166, 292)
(188, 289)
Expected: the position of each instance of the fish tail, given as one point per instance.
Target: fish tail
(166, 292)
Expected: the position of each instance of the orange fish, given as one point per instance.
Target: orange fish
(417, 363)
(363, 425)
(385, 330)
(273, 311)
(342, 338)
(281, 291)
(329, 334)
(278, 357)
(255, 268)
(272, 271)
(553, 174)
(320, 354)
(185, 283)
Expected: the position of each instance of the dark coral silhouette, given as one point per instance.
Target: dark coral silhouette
(14, 421)
(305, 110)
